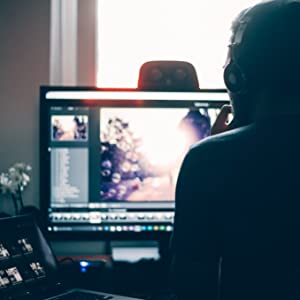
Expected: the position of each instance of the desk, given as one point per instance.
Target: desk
(76, 258)
(141, 279)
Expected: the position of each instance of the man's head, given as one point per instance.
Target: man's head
(264, 54)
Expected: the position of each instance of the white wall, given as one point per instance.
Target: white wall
(24, 66)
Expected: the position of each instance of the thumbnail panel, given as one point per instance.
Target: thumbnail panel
(4, 279)
(4, 253)
(14, 275)
(38, 269)
(69, 128)
(25, 246)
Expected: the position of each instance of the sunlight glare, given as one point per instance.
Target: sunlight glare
(131, 32)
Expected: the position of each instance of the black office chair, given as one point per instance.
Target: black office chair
(169, 75)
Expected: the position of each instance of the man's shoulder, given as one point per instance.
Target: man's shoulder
(226, 141)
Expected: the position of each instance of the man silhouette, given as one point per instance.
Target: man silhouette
(237, 218)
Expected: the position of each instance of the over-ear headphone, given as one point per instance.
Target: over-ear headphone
(235, 78)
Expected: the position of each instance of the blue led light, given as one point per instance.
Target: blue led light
(84, 264)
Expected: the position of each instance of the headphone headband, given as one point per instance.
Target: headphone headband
(235, 78)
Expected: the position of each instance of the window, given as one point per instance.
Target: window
(134, 31)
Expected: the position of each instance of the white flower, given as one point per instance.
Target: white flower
(15, 179)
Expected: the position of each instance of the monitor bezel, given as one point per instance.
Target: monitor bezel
(44, 174)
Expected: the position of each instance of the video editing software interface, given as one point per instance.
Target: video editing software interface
(113, 157)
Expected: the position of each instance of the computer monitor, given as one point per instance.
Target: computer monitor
(110, 158)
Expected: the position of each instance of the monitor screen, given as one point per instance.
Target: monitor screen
(110, 158)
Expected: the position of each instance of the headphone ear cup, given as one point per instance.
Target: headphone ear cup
(234, 78)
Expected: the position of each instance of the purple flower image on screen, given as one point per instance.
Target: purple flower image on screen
(142, 150)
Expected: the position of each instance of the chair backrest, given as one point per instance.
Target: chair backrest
(169, 75)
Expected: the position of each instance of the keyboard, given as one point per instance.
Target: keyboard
(89, 295)
(83, 296)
